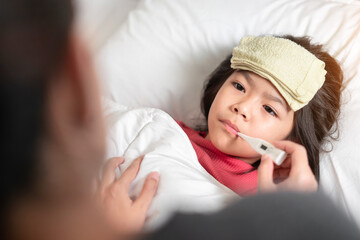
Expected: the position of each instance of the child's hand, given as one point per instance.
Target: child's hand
(294, 174)
(125, 215)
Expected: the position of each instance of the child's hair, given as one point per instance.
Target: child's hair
(312, 123)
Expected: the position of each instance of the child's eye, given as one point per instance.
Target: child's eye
(238, 86)
(270, 110)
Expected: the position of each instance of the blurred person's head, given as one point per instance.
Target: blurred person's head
(52, 134)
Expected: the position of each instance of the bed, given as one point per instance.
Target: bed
(157, 54)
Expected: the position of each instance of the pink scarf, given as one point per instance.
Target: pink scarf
(230, 171)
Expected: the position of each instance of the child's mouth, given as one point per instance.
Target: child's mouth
(230, 127)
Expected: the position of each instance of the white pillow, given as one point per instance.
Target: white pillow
(98, 19)
(165, 50)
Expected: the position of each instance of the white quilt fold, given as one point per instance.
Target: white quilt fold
(185, 185)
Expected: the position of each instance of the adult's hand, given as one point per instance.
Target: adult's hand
(294, 174)
(125, 215)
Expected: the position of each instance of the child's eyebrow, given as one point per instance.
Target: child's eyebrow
(250, 81)
(276, 99)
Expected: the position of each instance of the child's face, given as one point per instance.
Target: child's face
(251, 105)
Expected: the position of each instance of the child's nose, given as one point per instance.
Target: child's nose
(241, 111)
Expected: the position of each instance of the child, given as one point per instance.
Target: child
(273, 88)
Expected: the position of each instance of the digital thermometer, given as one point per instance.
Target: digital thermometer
(262, 147)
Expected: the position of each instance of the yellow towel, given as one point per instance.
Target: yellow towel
(293, 70)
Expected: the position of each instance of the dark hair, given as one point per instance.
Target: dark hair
(33, 38)
(314, 122)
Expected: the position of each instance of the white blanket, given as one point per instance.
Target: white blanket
(184, 184)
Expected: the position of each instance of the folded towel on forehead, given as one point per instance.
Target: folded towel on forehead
(294, 71)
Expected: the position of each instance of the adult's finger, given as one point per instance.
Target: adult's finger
(130, 173)
(142, 203)
(108, 171)
(265, 174)
(297, 154)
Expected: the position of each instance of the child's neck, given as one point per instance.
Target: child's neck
(248, 160)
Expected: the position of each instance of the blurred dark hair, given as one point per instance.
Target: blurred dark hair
(33, 40)
(312, 123)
